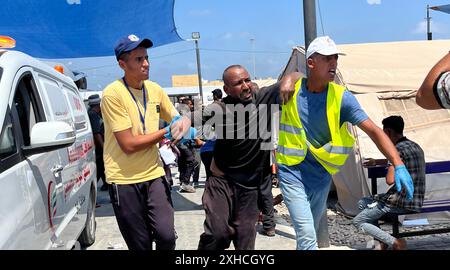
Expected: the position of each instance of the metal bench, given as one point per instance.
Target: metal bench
(376, 172)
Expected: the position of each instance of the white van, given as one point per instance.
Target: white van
(47, 159)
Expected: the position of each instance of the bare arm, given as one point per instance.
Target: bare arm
(382, 141)
(131, 144)
(425, 97)
(199, 142)
(390, 175)
(287, 86)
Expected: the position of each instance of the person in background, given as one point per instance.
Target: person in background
(196, 176)
(434, 93)
(132, 107)
(206, 151)
(314, 141)
(199, 142)
(265, 196)
(187, 163)
(95, 117)
(392, 202)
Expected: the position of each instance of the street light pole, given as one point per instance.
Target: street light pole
(429, 34)
(196, 37)
(309, 18)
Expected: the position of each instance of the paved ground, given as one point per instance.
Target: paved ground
(189, 217)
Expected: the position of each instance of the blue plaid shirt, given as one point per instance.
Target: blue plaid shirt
(413, 157)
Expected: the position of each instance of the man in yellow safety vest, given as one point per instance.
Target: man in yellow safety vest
(314, 142)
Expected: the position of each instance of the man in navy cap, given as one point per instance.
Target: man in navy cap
(132, 107)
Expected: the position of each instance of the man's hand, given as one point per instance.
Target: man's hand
(287, 86)
(168, 134)
(403, 179)
(190, 135)
(179, 128)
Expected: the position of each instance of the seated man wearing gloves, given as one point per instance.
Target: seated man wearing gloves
(132, 107)
(394, 202)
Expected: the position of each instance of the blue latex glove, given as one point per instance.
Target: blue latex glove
(168, 135)
(403, 179)
(190, 135)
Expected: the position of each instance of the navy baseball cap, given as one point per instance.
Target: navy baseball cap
(129, 43)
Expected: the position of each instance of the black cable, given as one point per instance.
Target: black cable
(242, 51)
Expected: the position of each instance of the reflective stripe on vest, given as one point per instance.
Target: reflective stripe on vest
(291, 138)
(290, 151)
(291, 129)
(331, 156)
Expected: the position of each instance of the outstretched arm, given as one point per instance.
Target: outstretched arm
(287, 86)
(131, 144)
(425, 96)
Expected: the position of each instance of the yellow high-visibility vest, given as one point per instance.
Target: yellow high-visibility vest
(293, 144)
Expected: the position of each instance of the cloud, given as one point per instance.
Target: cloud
(200, 13)
(374, 2)
(246, 35)
(227, 36)
(291, 43)
(421, 28)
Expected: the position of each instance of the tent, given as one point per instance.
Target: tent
(384, 77)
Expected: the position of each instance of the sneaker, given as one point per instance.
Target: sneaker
(269, 232)
(187, 188)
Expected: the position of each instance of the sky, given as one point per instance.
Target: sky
(260, 34)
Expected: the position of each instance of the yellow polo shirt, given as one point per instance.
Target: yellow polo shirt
(120, 112)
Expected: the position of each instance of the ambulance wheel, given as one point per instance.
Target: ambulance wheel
(87, 237)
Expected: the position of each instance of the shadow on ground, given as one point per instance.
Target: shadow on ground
(181, 203)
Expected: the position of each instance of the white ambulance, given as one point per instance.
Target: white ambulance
(47, 159)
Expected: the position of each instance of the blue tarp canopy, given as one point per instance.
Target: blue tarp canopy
(444, 8)
(84, 28)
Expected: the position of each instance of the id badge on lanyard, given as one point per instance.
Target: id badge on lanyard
(141, 116)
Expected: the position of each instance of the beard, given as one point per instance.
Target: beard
(246, 96)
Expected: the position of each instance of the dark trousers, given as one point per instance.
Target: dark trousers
(198, 160)
(186, 163)
(207, 159)
(231, 212)
(168, 173)
(265, 203)
(100, 169)
(145, 213)
(100, 165)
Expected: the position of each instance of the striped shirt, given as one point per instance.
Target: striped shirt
(413, 157)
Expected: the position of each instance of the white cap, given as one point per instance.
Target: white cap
(324, 46)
